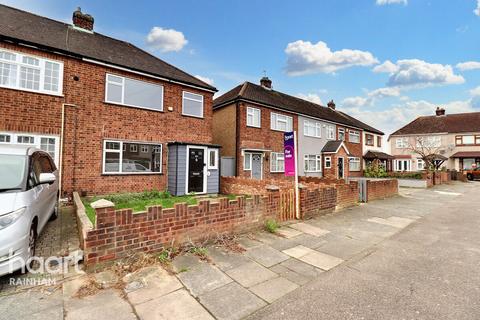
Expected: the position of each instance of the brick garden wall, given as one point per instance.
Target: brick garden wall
(381, 189)
(347, 194)
(317, 201)
(248, 186)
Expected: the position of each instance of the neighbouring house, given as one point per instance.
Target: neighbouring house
(455, 138)
(249, 123)
(114, 117)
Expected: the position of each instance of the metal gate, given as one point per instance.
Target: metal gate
(287, 205)
(362, 190)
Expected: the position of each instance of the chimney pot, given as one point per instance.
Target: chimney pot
(440, 111)
(331, 105)
(82, 20)
(266, 82)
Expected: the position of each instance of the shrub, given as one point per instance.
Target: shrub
(271, 225)
(375, 172)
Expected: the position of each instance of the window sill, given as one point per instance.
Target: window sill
(277, 171)
(131, 173)
(313, 171)
(192, 116)
(306, 135)
(255, 127)
(60, 95)
(132, 106)
(279, 130)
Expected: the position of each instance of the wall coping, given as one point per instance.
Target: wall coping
(101, 204)
(84, 224)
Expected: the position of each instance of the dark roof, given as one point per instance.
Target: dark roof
(21, 26)
(466, 154)
(370, 155)
(332, 146)
(255, 93)
(451, 123)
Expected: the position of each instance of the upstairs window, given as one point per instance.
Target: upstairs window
(369, 139)
(341, 134)
(277, 162)
(312, 128)
(379, 141)
(280, 122)
(192, 104)
(25, 72)
(253, 117)
(133, 93)
(330, 132)
(354, 136)
(401, 143)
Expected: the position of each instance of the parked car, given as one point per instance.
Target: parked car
(473, 174)
(28, 199)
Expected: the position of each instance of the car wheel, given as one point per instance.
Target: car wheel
(32, 243)
(55, 211)
(470, 177)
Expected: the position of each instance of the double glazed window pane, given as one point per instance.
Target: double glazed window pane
(192, 104)
(48, 145)
(143, 94)
(52, 76)
(134, 160)
(8, 74)
(29, 78)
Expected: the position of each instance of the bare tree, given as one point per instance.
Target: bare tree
(428, 148)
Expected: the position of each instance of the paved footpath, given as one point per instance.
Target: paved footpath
(411, 256)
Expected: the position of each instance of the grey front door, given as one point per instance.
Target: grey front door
(257, 166)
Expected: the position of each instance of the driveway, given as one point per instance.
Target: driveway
(411, 256)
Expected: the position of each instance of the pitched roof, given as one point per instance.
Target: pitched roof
(333, 146)
(255, 93)
(450, 123)
(370, 155)
(25, 27)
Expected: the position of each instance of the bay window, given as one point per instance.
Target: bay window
(281, 122)
(133, 93)
(313, 163)
(123, 157)
(25, 72)
(277, 162)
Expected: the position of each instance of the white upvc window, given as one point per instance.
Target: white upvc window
(429, 142)
(133, 93)
(30, 73)
(247, 161)
(401, 143)
(312, 128)
(212, 159)
(280, 122)
(192, 104)
(121, 157)
(341, 134)
(328, 162)
(49, 144)
(277, 162)
(313, 162)
(330, 132)
(420, 164)
(402, 165)
(353, 136)
(354, 164)
(253, 117)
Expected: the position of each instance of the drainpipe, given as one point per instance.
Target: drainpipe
(60, 174)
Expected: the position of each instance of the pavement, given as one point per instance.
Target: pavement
(414, 256)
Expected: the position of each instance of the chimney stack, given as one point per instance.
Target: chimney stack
(82, 20)
(266, 82)
(331, 105)
(440, 111)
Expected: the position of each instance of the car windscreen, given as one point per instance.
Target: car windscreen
(12, 171)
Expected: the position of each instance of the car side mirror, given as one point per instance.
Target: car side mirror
(46, 178)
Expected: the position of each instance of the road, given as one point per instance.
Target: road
(430, 270)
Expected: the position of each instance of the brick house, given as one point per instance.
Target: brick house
(455, 137)
(114, 117)
(249, 123)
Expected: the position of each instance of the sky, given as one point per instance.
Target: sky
(385, 62)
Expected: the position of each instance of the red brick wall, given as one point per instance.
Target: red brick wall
(317, 201)
(247, 186)
(381, 189)
(332, 172)
(92, 121)
(260, 138)
(119, 232)
(355, 150)
(347, 194)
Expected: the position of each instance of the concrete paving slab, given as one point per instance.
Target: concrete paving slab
(309, 229)
(107, 304)
(273, 289)
(231, 302)
(248, 243)
(343, 247)
(310, 241)
(288, 233)
(266, 238)
(154, 282)
(298, 251)
(185, 262)
(177, 305)
(396, 222)
(321, 260)
(400, 221)
(290, 275)
(250, 274)
(32, 305)
(266, 255)
(226, 260)
(302, 268)
(203, 278)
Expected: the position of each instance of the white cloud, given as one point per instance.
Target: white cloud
(384, 93)
(371, 97)
(304, 57)
(475, 92)
(415, 73)
(205, 79)
(385, 2)
(391, 119)
(468, 65)
(312, 97)
(477, 9)
(386, 67)
(166, 40)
